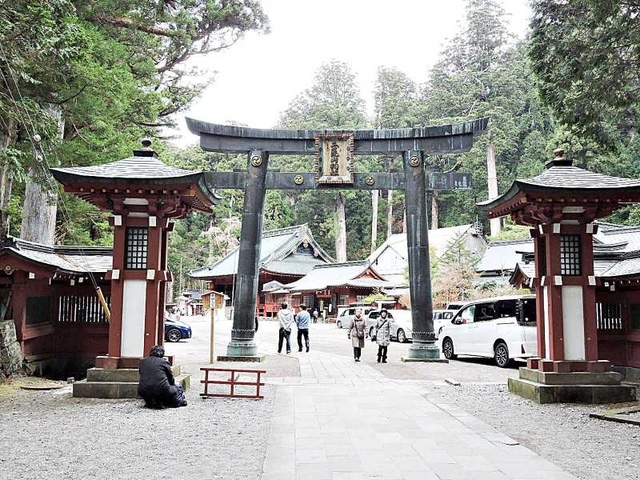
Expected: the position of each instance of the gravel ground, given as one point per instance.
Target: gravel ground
(50, 434)
(589, 448)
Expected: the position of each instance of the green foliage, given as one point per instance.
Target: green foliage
(511, 231)
(454, 274)
(585, 55)
(482, 74)
(114, 71)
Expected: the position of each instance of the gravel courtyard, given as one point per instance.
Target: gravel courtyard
(49, 434)
(589, 448)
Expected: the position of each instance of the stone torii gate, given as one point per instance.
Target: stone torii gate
(334, 152)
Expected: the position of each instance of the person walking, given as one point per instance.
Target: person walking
(285, 317)
(356, 334)
(383, 335)
(302, 322)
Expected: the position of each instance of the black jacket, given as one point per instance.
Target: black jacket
(156, 378)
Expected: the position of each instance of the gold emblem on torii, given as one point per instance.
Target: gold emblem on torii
(334, 161)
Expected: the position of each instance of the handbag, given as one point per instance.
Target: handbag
(374, 337)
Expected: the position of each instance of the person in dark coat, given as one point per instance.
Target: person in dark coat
(157, 386)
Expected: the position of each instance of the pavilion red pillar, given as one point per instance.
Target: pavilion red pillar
(138, 280)
(565, 296)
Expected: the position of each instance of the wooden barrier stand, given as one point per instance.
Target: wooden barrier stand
(232, 381)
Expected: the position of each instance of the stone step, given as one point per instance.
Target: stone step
(119, 374)
(591, 394)
(571, 378)
(117, 389)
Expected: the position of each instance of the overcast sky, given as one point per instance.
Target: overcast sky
(258, 77)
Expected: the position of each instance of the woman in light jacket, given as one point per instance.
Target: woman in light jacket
(383, 335)
(356, 334)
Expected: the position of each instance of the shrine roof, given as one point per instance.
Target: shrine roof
(503, 256)
(561, 177)
(69, 259)
(278, 254)
(339, 274)
(138, 167)
(144, 168)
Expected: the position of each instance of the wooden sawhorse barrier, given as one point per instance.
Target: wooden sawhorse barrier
(234, 374)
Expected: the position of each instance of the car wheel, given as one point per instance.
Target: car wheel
(447, 349)
(339, 324)
(501, 355)
(173, 335)
(401, 336)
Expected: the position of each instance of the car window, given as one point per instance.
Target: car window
(485, 312)
(506, 308)
(447, 315)
(373, 315)
(468, 314)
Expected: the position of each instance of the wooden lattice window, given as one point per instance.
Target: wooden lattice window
(609, 315)
(137, 242)
(570, 255)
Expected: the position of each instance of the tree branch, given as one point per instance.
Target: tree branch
(130, 24)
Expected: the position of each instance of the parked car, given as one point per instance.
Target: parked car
(175, 330)
(442, 318)
(503, 328)
(400, 324)
(346, 315)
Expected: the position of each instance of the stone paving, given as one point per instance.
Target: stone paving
(343, 420)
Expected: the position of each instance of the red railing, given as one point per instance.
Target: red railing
(232, 381)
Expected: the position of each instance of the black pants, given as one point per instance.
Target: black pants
(357, 351)
(284, 334)
(303, 332)
(382, 353)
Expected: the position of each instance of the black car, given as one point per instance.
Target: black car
(175, 330)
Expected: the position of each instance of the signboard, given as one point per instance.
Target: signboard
(335, 158)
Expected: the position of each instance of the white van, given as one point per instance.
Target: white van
(503, 328)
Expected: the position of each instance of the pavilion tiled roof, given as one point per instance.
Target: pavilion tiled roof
(67, 259)
(278, 254)
(144, 168)
(339, 274)
(562, 178)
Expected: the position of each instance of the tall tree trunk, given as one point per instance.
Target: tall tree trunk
(389, 213)
(375, 195)
(435, 210)
(39, 211)
(41, 198)
(341, 233)
(7, 139)
(492, 184)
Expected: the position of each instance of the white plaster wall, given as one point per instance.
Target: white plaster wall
(573, 322)
(133, 312)
(547, 334)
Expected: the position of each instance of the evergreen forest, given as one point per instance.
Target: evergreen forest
(83, 81)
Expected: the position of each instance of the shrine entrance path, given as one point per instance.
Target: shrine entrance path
(347, 420)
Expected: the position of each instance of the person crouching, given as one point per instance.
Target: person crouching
(157, 386)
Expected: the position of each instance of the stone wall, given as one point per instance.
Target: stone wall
(11, 359)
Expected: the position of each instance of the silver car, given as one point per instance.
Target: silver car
(400, 324)
(345, 317)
